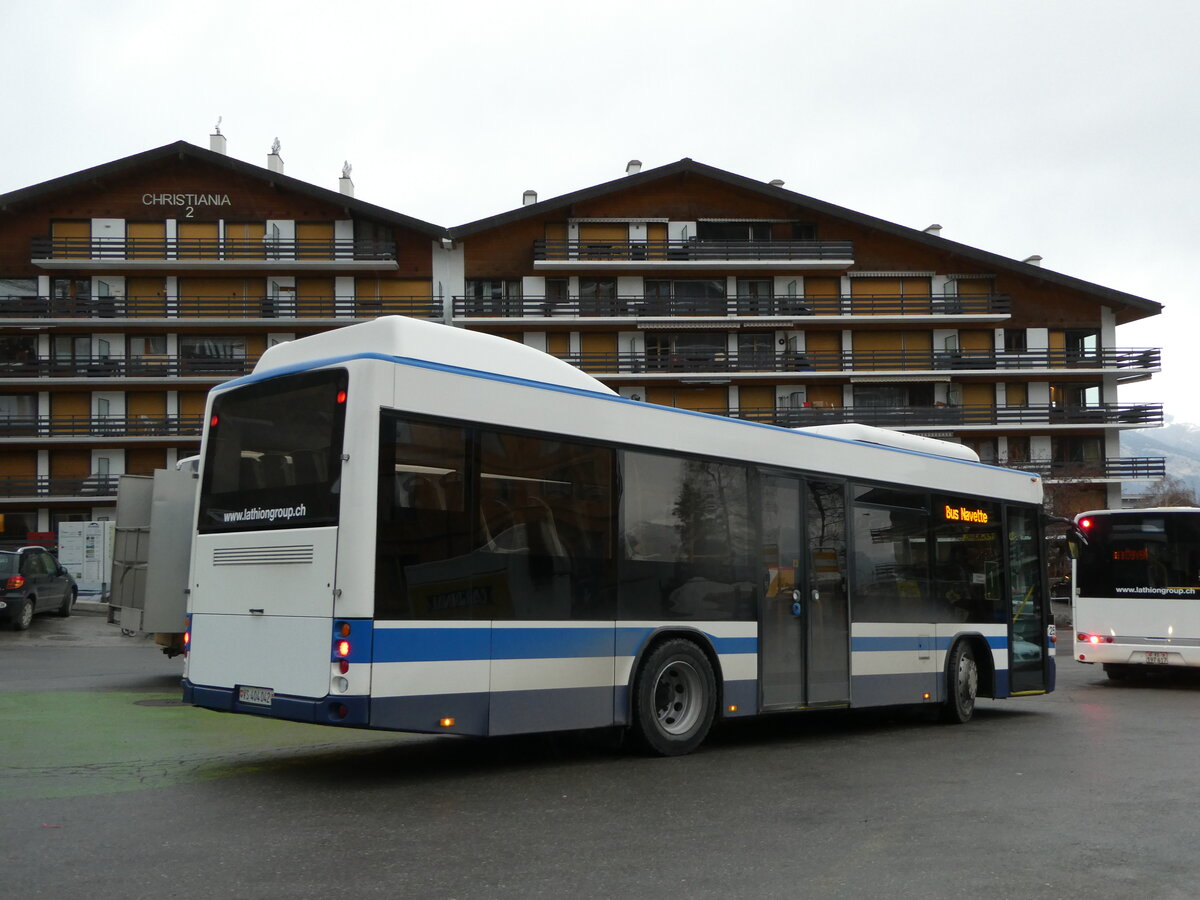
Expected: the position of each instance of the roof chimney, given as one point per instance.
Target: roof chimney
(216, 140)
(345, 185)
(935, 230)
(274, 160)
(529, 198)
(776, 182)
(1033, 260)
(633, 167)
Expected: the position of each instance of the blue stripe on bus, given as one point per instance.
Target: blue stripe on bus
(547, 643)
(631, 640)
(431, 644)
(437, 644)
(876, 644)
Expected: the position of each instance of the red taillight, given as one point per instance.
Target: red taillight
(343, 648)
(343, 666)
(14, 582)
(341, 396)
(187, 639)
(1085, 524)
(212, 423)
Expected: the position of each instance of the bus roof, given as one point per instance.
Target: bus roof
(1157, 510)
(436, 347)
(431, 342)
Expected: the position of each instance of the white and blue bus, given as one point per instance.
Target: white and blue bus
(1135, 600)
(407, 526)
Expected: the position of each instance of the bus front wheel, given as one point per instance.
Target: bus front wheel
(675, 698)
(962, 684)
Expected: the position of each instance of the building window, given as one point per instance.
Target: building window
(756, 351)
(690, 297)
(17, 288)
(499, 298)
(1015, 340)
(1074, 396)
(216, 354)
(733, 231)
(754, 296)
(17, 351)
(597, 296)
(1082, 346)
(893, 396)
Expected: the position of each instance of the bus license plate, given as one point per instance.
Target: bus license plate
(256, 696)
(1156, 658)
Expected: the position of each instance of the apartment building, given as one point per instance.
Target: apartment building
(691, 286)
(129, 289)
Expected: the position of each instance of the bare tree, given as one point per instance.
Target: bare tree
(1171, 491)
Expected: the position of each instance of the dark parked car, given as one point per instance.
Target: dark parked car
(32, 581)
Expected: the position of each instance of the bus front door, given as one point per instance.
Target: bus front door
(1029, 664)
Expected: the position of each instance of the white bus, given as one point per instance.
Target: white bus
(1136, 589)
(407, 526)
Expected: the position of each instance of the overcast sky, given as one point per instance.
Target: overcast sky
(1065, 128)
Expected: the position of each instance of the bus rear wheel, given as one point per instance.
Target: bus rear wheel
(675, 698)
(962, 685)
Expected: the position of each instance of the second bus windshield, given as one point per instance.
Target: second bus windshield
(1141, 555)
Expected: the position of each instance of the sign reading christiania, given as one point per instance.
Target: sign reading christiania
(185, 200)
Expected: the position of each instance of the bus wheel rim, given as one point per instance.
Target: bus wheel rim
(678, 696)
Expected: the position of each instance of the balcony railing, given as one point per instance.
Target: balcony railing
(89, 487)
(241, 250)
(720, 361)
(1136, 415)
(692, 251)
(120, 367)
(110, 426)
(218, 307)
(467, 307)
(1123, 468)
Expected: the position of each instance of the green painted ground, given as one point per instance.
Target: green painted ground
(70, 744)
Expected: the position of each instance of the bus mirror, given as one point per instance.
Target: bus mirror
(1075, 540)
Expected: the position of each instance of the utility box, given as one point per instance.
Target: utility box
(86, 550)
(153, 549)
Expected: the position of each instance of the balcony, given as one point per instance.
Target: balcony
(138, 426)
(691, 254)
(939, 418)
(1126, 468)
(231, 254)
(997, 307)
(89, 367)
(92, 488)
(241, 308)
(851, 362)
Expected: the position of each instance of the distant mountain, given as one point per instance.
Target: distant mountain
(1178, 442)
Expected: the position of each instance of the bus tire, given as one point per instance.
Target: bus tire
(1120, 672)
(962, 684)
(674, 698)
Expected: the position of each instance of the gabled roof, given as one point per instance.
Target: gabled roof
(184, 150)
(741, 182)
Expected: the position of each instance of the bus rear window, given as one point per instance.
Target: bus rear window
(274, 454)
(1141, 556)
